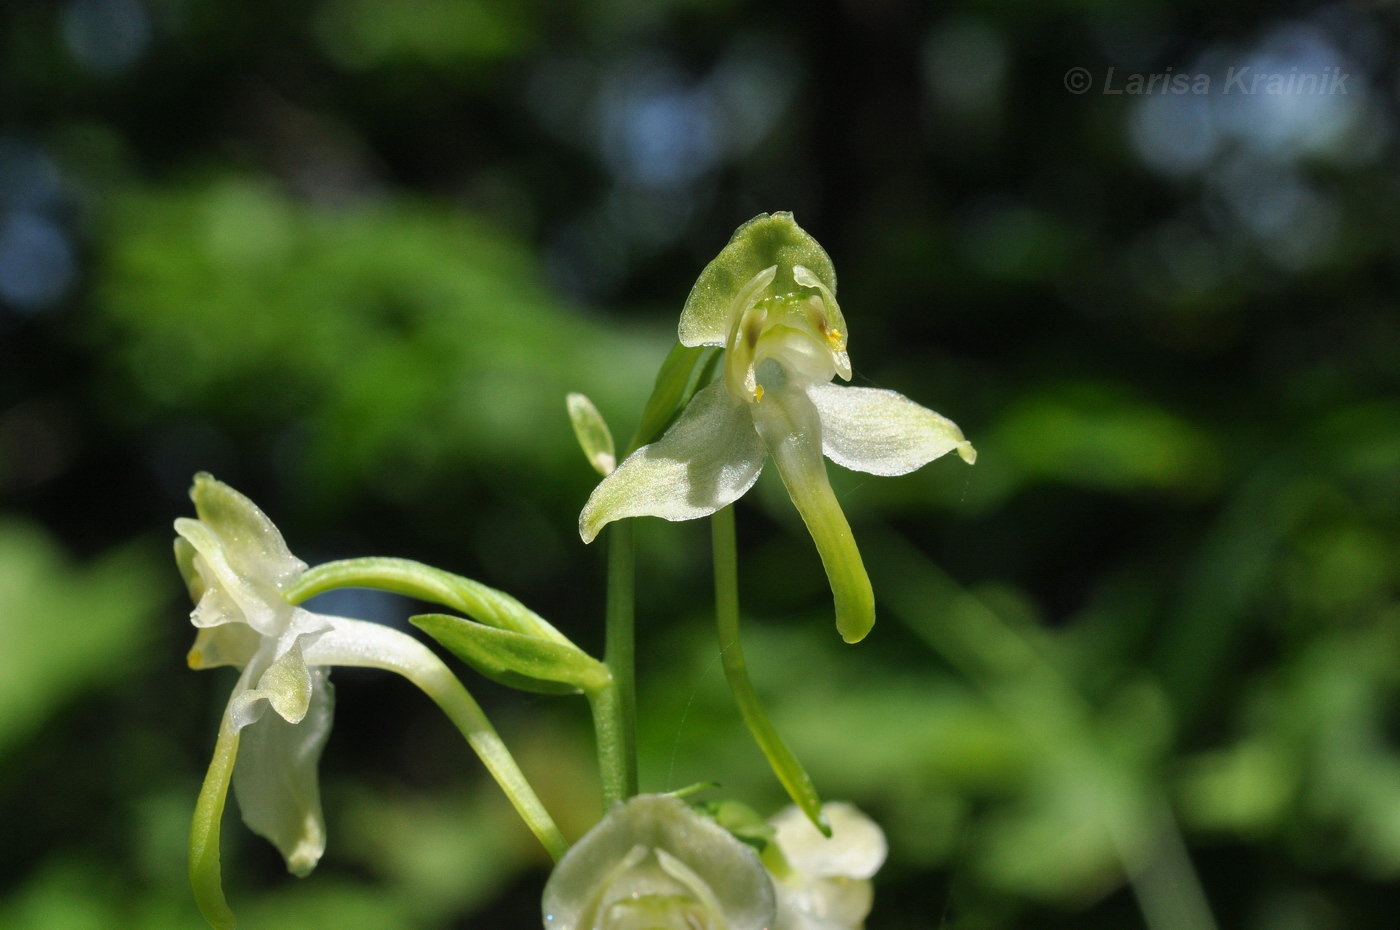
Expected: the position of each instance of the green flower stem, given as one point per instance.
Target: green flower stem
(610, 730)
(615, 714)
(414, 579)
(1166, 886)
(790, 772)
(449, 694)
(371, 645)
(204, 831)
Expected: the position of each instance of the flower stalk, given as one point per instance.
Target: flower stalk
(616, 717)
(790, 772)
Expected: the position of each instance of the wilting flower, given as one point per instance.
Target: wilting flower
(821, 883)
(769, 299)
(238, 569)
(654, 864)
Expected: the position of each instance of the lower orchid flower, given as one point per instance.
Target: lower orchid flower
(824, 883)
(239, 570)
(769, 299)
(653, 863)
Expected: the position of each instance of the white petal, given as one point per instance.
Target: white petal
(280, 670)
(232, 592)
(806, 903)
(883, 432)
(242, 561)
(252, 541)
(228, 644)
(699, 852)
(275, 781)
(706, 460)
(856, 848)
(184, 560)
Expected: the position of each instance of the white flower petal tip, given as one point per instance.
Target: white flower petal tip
(826, 884)
(856, 848)
(883, 432)
(236, 560)
(653, 862)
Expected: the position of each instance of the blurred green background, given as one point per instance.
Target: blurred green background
(349, 255)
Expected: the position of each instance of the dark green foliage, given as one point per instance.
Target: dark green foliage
(352, 255)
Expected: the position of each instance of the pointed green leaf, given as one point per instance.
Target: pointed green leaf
(593, 434)
(513, 659)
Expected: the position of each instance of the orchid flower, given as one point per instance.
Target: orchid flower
(769, 299)
(654, 863)
(239, 571)
(824, 883)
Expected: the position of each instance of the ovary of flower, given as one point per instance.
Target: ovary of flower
(654, 863)
(769, 299)
(821, 883)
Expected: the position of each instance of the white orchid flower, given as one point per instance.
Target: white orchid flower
(824, 883)
(239, 571)
(654, 863)
(769, 299)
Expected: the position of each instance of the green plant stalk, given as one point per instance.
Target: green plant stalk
(461, 708)
(610, 730)
(204, 831)
(615, 713)
(790, 772)
(436, 681)
(1165, 884)
(426, 583)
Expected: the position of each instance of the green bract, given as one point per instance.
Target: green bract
(654, 864)
(593, 434)
(769, 299)
(824, 883)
